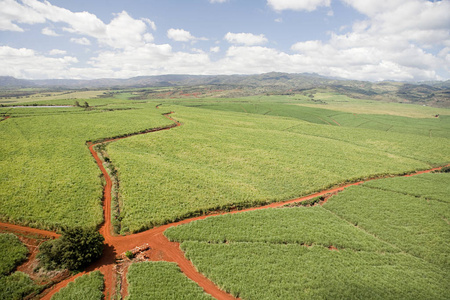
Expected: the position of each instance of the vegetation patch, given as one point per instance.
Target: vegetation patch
(17, 286)
(75, 249)
(13, 252)
(223, 160)
(48, 177)
(86, 287)
(391, 245)
(161, 280)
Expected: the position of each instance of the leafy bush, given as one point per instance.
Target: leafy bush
(129, 254)
(76, 248)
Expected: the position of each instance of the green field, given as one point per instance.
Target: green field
(86, 287)
(14, 285)
(391, 245)
(221, 160)
(391, 235)
(161, 280)
(13, 253)
(48, 176)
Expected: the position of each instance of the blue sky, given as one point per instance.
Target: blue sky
(366, 40)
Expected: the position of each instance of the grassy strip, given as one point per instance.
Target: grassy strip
(161, 280)
(13, 252)
(304, 226)
(86, 287)
(272, 271)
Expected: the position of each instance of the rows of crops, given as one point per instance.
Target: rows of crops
(438, 127)
(48, 176)
(218, 160)
(404, 254)
(161, 280)
(86, 287)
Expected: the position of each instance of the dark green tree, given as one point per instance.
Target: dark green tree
(75, 249)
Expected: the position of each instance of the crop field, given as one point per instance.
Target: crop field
(33, 95)
(221, 160)
(437, 127)
(17, 284)
(387, 238)
(86, 287)
(386, 245)
(48, 176)
(13, 252)
(161, 280)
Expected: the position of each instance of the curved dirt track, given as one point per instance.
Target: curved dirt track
(161, 247)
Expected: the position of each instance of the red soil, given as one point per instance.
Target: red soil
(6, 117)
(160, 247)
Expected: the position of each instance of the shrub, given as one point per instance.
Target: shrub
(76, 248)
(129, 254)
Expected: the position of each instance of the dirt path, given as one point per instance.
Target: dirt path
(160, 247)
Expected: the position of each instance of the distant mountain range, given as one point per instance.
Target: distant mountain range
(267, 79)
(434, 92)
(170, 80)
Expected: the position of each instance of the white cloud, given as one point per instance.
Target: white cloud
(248, 39)
(49, 31)
(181, 35)
(214, 49)
(217, 1)
(299, 5)
(150, 23)
(12, 12)
(81, 41)
(123, 31)
(26, 63)
(278, 20)
(57, 52)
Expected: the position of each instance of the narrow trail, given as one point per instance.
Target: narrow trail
(160, 247)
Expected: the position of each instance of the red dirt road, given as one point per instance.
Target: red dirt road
(161, 247)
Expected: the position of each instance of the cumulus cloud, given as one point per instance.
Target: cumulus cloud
(49, 31)
(13, 12)
(181, 35)
(82, 41)
(26, 63)
(123, 30)
(248, 39)
(390, 43)
(307, 5)
(57, 52)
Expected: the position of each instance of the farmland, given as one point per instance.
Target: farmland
(221, 160)
(161, 280)
(13, 252)
(86, 287)
(285, 253)
(13, 285)
(40, 147)
(387, 237)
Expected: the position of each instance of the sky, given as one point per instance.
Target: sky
(375, 40)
